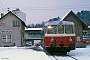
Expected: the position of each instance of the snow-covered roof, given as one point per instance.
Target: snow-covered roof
(59, 22)
(33, 28)
(20, 14)
(20, 17)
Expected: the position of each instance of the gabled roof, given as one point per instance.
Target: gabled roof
(71, 12)
(65, 15)
(15, 16)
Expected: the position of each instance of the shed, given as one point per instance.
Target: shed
(79, 24)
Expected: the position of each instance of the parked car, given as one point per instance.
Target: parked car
(28, 44)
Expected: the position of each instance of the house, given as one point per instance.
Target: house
(12, 28)
(79, 26)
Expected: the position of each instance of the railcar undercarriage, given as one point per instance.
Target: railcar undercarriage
(60, 49)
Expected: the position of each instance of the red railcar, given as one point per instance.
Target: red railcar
(59, 36)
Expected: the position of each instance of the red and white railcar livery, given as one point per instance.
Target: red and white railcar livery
(59, 36)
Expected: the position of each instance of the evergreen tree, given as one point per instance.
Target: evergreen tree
(85, 16)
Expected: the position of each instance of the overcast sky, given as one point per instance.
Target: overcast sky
(43, 10)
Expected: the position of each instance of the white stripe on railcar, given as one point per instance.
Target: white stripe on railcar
(47, 35)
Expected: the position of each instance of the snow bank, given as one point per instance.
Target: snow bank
(88, 46)
(81, 53)
(21, 53)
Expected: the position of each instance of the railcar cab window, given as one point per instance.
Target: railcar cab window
(60, 29)
(69, 29)
(52, 29)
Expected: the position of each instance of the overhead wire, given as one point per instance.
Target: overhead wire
(55, 8)
(4, 9)
(47, 8)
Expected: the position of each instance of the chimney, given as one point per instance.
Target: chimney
(17, 9)
(2, 14)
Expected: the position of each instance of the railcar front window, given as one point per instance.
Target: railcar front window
(52, 29)
(60, 29)
(69, 29)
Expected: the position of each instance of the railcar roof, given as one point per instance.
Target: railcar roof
(33, 28)
(58, 23)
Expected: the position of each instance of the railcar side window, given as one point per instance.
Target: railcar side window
(60, 29)
(45, 30)
(69, 29)
(52, 29)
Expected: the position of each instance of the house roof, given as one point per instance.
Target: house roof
(71, 12)
(15, 16)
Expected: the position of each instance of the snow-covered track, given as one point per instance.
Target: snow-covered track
(55, 57)
(72, 57)
(64, 56)
(60, 56)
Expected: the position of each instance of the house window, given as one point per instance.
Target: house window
(34, 35)
(6, 38)
(30, 34)
(9, 39)
(16, 23)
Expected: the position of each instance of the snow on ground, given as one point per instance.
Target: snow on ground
(27, 53)
(79, 53)
(61, 58)
(88, 46)
(21, 53)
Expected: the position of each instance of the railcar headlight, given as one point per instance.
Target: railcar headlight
(52, 40)
(49, 27)
(70, 39)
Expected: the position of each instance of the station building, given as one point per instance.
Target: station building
(12, 28)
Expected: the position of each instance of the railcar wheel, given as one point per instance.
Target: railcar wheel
(64, 53)
(72, 47)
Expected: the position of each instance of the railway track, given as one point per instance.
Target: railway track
(72, 57)
(59, 54)
(64, 56)
(55, 58)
